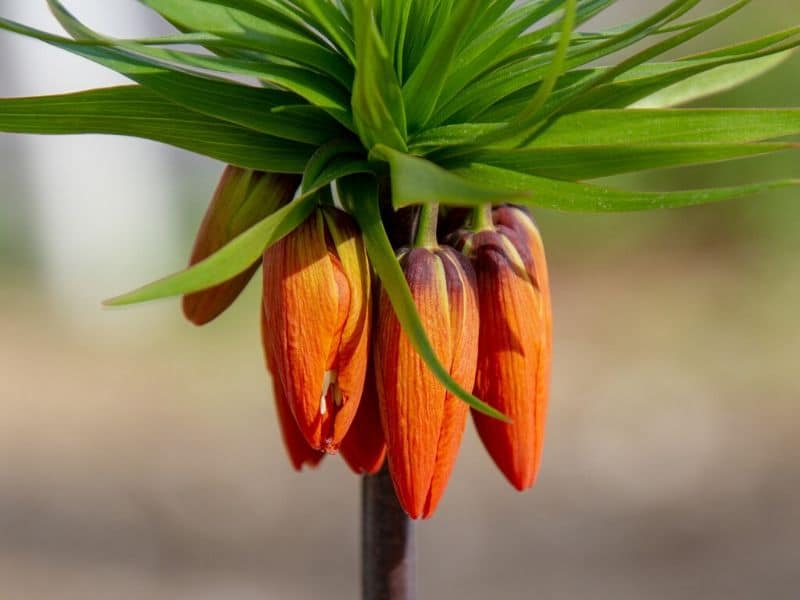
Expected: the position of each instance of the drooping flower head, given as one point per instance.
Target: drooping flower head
(515, 340)
(317, 307)
(423, 421)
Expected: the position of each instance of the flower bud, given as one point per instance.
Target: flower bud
(243, 198)
(317, 307)
(422, 421)
(364, 446)
(515, 340)
(300, 453)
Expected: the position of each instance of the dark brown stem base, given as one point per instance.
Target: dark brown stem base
(387, 542)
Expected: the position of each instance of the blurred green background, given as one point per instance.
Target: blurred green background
(140, 457)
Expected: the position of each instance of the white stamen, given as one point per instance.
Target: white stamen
(327, 381)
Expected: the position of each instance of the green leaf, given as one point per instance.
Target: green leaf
(714, 81)
(317, 89)
(483, 51)
(248, 31)
(236, 256)
(669, 126)
(138, 112)
(361, 195)
(242, 104)
(580, 96)
(585, 197)
(575, 163)
(520, 126)
(328, 19)
(645, 79)
(451, 135)
(425, 84)
(394, 27)
(378, 109)
(346, 153)
(418, 181)
(521, 74)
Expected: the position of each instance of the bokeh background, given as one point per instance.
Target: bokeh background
(140, 457)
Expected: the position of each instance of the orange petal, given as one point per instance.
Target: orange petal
(308, 299)
(301, 303)
(364, 447)
(351, 353)
(528, 242)
(424, 424)
(242, 198)
(300, 453)
(463, 304)
(411, 398)
(509, 358)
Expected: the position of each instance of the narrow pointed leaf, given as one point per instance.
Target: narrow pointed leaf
(714, 81)
(574, 163)
(255, 33)
(419, 181)
(138, 112)
(378, 109)
(235, 257)
(669, 126)
(585, 197)
(425, 84)
(316, 88)
(217, 97)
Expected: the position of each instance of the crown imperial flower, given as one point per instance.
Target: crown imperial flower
(424, 422)
(317, 312)
(340, 120)
(515, 340)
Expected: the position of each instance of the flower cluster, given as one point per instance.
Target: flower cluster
(337, 116)
(347, 379)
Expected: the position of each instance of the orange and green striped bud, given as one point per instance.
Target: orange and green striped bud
(422, 421)
(317, 307)
(364, 446)
(243, 198)
(515, 340)
(300, 453)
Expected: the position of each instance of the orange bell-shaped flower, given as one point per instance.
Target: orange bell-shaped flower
(300, 453)
(317, 307)
(422, 421)
(364, 446)
(515, 340)
(243, 198)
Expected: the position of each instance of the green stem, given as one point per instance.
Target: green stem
(426, 226)
(482, 218)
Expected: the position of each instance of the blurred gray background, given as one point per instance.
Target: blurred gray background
(140, 457)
